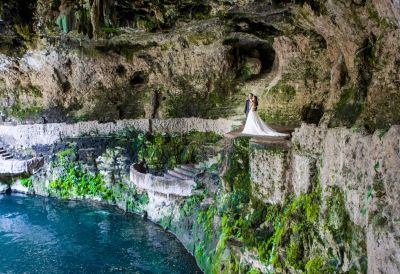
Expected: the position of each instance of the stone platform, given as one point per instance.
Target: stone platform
(265, 140)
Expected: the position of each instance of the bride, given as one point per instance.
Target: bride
(256, 126)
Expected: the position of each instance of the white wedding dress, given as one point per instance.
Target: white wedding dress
(256, 126)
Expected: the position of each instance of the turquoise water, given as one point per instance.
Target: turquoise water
(42, 235)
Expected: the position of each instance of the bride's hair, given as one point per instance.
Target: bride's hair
(255, 98)
(255, 102)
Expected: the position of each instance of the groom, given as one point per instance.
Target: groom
(248, 103)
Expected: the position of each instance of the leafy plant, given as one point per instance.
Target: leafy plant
(74, 180)
(27, 182)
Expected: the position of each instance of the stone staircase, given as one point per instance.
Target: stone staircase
(5, 155)
(183, 172)
(173, 184)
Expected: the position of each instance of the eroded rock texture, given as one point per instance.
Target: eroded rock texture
(331, 62)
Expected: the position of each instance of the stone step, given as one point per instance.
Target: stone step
(191, 169)
(185, 172)
(2, 151)
(171, 177)
(8, 157)
(179, 175)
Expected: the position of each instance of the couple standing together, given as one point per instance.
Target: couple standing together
(254, 125)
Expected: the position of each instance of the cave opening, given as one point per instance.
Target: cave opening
(259, 55)
(18, 12)
(139, 78)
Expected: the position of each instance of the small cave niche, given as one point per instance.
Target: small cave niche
(242, 51)
(139, 78)
(66, 86)
(121, 70)
(312, 114)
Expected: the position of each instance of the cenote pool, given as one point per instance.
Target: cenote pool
(42, 235)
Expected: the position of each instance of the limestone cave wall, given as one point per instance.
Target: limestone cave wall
(332, 63)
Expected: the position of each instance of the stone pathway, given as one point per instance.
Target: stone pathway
(284, 141)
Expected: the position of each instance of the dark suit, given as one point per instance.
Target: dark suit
(247, 107)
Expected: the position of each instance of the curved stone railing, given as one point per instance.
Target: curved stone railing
(22, 136)
(161, 185)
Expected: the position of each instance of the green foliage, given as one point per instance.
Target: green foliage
(202, 38)
(284, 89)
(294, 253)
(254, 271)
(74, 180)
(245, 73)
(191, 204)
(23, 113)
(166, 151)
(293, 225)
(319, 265)
(27, 182)
(206, 219)
(238, 175)
(205, 250)
(136, 201)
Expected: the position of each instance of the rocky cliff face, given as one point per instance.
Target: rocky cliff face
(324, 202)
(332, 62)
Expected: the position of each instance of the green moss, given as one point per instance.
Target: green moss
(110, 31)
(337, 217)
(284, 111)
(348, 108)
(126, 49)
(220, 101)
(202, 38)
(137, 201)
(23, 113)
(23, 31)
(294, 253)
(254, 271)
(28, 183)
(204, 248)
(271, 149)
(345, 232)
(191, 204)
(166, 151)
(245, 73)
(238, 175)
(382, 23)
(319, 265)
(72, 180)
(281, 116)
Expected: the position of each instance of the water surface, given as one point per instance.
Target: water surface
(42, 235)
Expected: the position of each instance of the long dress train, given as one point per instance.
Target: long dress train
(255, 126)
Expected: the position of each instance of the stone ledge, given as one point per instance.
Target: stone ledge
(24, 136)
